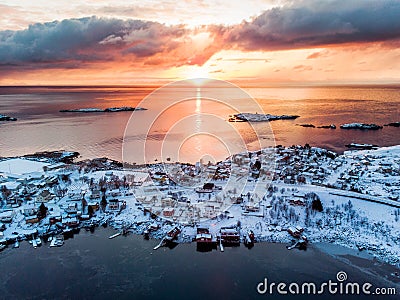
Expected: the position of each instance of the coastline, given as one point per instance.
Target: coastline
(135, 217)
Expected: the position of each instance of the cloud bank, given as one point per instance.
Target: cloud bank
(83, 42)
(307, 24)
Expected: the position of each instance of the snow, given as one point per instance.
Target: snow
(367, 219)
(20, 166)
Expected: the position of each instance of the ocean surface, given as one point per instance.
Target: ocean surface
(186, 131)
(91, 266)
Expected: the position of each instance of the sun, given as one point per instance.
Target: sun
(196, 72)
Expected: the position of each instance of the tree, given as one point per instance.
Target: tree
(42, 211)
(5, 192)
(84, 202)
(103, 202)
(317, 205)
(90, 210)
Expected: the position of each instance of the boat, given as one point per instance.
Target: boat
(57, 242)
(38, 241)
(16, 244)
(249, 238)
(301, 243)
(34, 243)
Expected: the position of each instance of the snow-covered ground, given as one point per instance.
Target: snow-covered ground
(358, 191)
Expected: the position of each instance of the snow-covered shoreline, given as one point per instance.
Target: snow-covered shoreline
(358, 191)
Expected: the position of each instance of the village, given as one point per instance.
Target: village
(295, 195)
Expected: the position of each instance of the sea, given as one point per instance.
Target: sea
(187, 123)
(195, 129)
(91, 266)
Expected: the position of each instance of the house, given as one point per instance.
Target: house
(168, 201)
(299, 202)
(71, 222)
(7, 216)
(44, 196)
(252, 207)
(94, 205)
(55, 218)
(229, 235)
(71, 209)
(29, 210)
(168, 212)
(31, 219)
(294, 232)
(113, 204)
(96, 194)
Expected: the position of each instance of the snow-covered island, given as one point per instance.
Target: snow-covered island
(393, 124)
(361, 126)
(7, 118)
(110, 109)
(250, 117)
(280, 194)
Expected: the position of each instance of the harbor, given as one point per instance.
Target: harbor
(127, 266)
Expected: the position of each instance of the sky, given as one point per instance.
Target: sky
(255, 41)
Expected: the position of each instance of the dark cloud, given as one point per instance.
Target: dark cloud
(86, 40)
(306, 24)
(75, 43)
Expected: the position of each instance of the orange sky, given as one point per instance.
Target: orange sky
(121, 42)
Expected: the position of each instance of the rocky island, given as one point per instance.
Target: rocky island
(393, 124)
(362, 126)
(7, 118)
(250, 117)
(97, 110)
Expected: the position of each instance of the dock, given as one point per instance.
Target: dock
(115, 235)
(162, 242)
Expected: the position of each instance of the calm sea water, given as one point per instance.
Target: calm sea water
(90, 266)
(41, 126)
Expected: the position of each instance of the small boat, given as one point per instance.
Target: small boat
(115, 235)
(249, 238)
(2, 247)
(16, 244)
(57, 242)
(38, 241)
(34, 244)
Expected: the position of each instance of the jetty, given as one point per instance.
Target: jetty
(115, 235)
